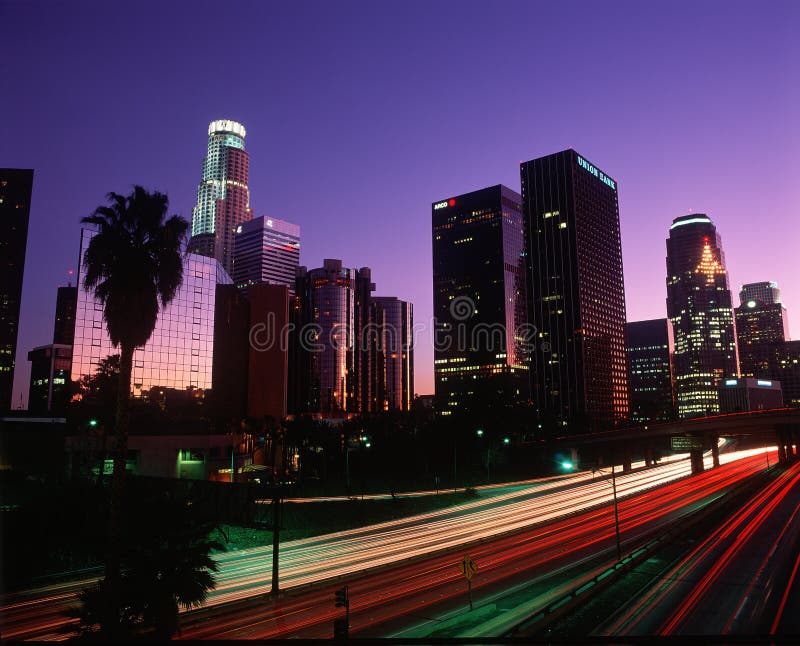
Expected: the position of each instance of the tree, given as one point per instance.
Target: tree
(132, 262)
(166, 565)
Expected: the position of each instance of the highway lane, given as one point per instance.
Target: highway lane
(245, 573)
(400, 600)
(733, 581)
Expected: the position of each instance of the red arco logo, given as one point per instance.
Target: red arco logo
(444, 204)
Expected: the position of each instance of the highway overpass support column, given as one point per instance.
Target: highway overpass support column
(648, 456)
(715, 450)
(696, 457)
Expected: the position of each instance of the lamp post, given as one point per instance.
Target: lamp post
(616, 511)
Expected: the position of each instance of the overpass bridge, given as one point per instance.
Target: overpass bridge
(779, 426)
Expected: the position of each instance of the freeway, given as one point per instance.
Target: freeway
(245, 574)
(554, 532)
(740, 580)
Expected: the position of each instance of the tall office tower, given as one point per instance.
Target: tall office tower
(649, 348)
(699, 307)
(16, 186)
(266, 251)
(180, 352)
(577, 293)
(325, 347)
(479, 288)
(64, 323)
(223, 197)
(394, 353)
(760, 320)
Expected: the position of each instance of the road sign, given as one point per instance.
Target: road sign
(468, 567)
(685, 443)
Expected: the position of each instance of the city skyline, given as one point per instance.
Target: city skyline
(670, 155)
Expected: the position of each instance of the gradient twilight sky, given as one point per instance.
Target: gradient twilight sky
(359, 115)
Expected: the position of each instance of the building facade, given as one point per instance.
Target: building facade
(699, 308)
(760, 320)
(268, 364)
(576, 293)
(266, 251)
(49, 388)
(180, 351)
(649, 349)
(16, 187)
(223, 195)
(64, 322)
(745, 394)
(393, 353)
(325, 352)
(479, 301)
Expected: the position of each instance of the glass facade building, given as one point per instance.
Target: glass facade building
(16, 186)
(577, 294)
(649, 349)
(180, 351)
(266, 252)
(394, 353)
(699, 308)
(223, 195)
(479, 299)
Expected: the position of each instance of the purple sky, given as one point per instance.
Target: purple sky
(359, 115)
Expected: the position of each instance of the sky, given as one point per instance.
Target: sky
(359, 115)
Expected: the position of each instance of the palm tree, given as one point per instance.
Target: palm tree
(132, 262)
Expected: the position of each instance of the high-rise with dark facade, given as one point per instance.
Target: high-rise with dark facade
(761, 320)
(266, 251)
(699, 307)
(223, 195)
(394, 353)
(326, 350)
(64, 322)
(49, 389)
(649, 349)
(479, 299)
(16, 186)
(577, 293)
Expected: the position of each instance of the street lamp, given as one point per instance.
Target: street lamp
(616, 509)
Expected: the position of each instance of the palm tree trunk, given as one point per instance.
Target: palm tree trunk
(120, 460)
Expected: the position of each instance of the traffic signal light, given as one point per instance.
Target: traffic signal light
(342, 598)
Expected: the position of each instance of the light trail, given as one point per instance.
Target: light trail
(247, 573)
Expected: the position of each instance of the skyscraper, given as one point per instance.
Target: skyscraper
(760, 320)
(649, 348)
(479, 288)
(699, 307)
(326, 346)
(394, 353)
(266, 251)
(16, 186)
(223, 196)
(577, 293)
